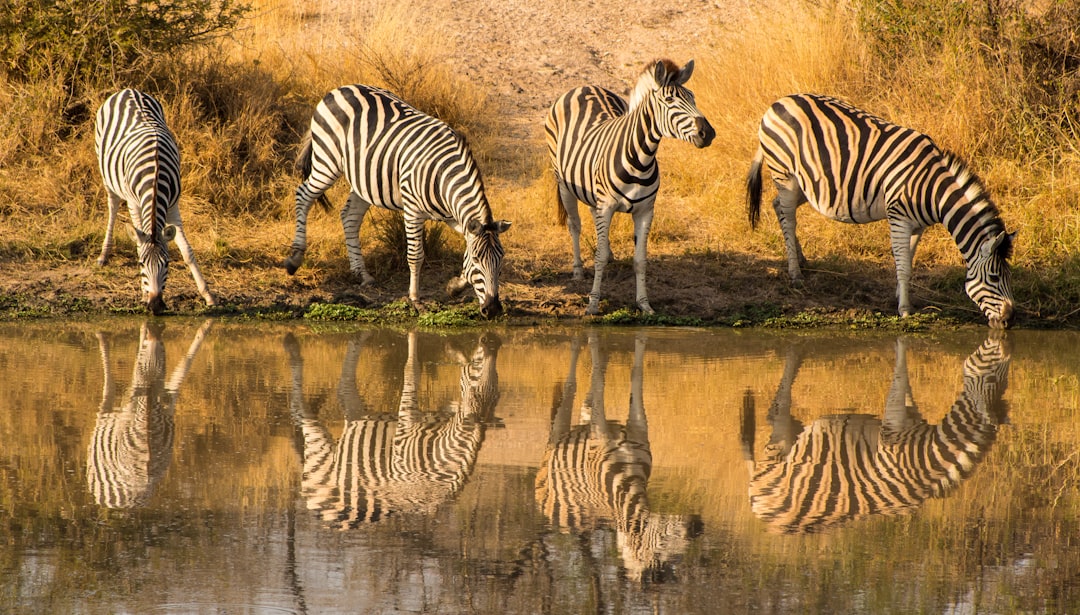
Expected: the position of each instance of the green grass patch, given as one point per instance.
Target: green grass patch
(628, 316)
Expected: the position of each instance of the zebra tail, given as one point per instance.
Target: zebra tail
(753, 189)
(302, 165)
(560, 212)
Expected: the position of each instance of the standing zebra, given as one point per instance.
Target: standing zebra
(854, 167)
(132, 445)
(406, 462)
(849, 466)
(140, 165)
(604, 154)
(396, 157)
(597, 472)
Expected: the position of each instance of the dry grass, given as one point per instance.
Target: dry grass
(239, 109)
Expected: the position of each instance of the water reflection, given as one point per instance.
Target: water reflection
(406, 461)
(848, 466)
(594, 475)
(132, 444)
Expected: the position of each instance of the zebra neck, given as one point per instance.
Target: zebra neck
(971, 222)
(640, 135)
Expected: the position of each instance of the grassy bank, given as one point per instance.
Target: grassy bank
(239, 106)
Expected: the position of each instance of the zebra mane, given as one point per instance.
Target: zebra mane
(973, 187)
(647, 80)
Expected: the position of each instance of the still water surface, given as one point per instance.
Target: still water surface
(182, 466)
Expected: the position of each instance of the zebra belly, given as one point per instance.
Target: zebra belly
(851, 211)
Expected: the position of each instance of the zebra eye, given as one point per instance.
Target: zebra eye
(669, 99)
(993, 278)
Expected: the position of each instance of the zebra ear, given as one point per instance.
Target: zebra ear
(141, 237)
(1001, 244)
(168, 233)
(474, 226)
(660, 73)
(500, 226)
(684, 74)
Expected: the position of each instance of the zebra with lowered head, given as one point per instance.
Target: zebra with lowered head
(398, 158)
(140, 165)
(603, 153)
(854, 167)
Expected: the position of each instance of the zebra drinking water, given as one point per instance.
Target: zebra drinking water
(854, 167)
(140, 165)
(603, 153)
(398, 158)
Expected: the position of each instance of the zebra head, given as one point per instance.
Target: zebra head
(483, 263)
(672, 104)
(988, 279)
(154, 265)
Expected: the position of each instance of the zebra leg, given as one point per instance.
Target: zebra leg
(352, 218)
(643, 218)
(173, 217)
(414, 239)
(903, 238)
(573, 224)
(107, 244)
(785, 206)
(602, 218)
(593, 403)
(785, 428)
(306, 194)
(637, 427)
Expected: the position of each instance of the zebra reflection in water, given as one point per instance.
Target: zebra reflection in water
(132, 445)
(406, 462)
(595, 474)
(849, 466)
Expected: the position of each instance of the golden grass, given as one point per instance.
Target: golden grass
(239, 109)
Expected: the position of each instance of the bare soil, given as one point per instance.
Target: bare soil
(526, 54)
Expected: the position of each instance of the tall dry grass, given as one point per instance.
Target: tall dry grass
(240, 107)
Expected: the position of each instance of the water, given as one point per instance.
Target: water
(181, 466)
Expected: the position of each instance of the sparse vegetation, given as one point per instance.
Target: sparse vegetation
(996, 82)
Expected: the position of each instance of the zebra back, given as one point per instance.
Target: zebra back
(846, 467)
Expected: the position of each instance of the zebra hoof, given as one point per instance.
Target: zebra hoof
(292, 263)
(645, 308)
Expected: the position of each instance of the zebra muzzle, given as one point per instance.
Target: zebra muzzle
(156, 305)
(705, 133)
(491, 308)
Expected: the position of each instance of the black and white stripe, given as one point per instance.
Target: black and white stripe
(854, 167)
(850, 466)
(596, 473)
(603, 153)
(396, 157)
(407, 462)
(131, 447)
(140, 165)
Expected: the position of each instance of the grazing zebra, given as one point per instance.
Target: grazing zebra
(132, 445)
(850, 466)
(597, 473)
(603, 153)
(408, 462)
(140, 166)
(396, 157)
(854, 167)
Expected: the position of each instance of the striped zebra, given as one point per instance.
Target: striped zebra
(595, 474)
(140, 165)
(851, 466)
(131, 447)
(396, 157)
(407, 462)
(854, 167)
(603, 153)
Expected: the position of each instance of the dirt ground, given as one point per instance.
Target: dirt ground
(526, 54)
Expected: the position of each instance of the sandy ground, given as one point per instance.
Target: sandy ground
(526, 54)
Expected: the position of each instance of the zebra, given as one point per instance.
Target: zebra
(851, 466)
(398, 158)
(596, 473)
(603, 153)
(140, 165)
(131, 447)
(857, 168)
(404, 463)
